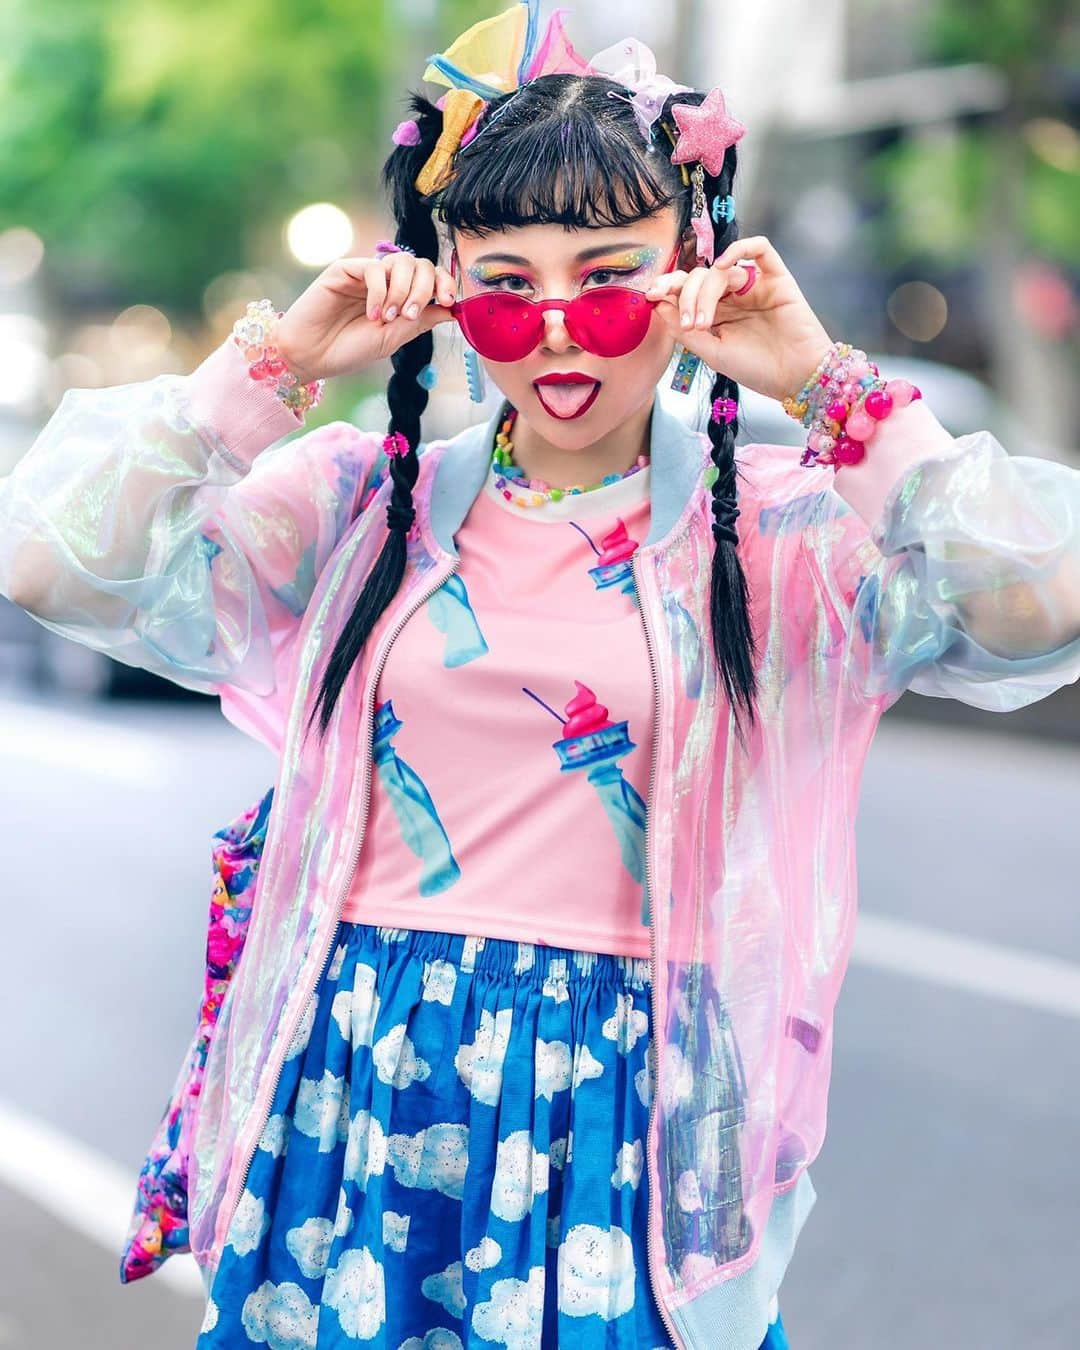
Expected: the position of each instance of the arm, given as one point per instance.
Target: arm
(953, 566)
(153, 522)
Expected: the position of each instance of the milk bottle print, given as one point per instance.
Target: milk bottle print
(592, 743)
(450, 612)
(420, 825)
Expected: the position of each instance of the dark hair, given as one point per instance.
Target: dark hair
(558, 150)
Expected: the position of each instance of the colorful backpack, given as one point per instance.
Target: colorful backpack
(159, 1223)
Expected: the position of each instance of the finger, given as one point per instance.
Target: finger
(667, 285)
(420, 291)
(399, 278)
(445, 287)
(757, 247)
(375, 279)
(688, 297)
(712, 292)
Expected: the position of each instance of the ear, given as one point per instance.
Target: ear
(688, 258)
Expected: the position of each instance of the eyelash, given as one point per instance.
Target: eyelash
(608, 271)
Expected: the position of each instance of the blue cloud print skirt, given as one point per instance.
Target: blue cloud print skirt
(454, 1157)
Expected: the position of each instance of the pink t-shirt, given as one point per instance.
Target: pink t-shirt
(513, 734)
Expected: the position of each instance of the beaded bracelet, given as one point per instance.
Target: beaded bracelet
(841, 404)
(253, 334)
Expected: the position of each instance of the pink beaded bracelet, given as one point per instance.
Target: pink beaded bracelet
(842, 403)
(253, 334)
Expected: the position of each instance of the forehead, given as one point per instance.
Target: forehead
(558, 245)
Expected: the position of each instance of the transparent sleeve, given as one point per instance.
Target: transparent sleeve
(159, 523)
(953, 566)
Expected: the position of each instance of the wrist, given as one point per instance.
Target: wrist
(257, 336)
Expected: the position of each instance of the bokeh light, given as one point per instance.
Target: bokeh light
(318, 234)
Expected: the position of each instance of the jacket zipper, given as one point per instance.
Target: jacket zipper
(352, 870)
(654, 1196)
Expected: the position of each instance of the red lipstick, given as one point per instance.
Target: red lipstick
(565, 393)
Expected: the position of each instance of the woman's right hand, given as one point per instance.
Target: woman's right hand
(360, 310)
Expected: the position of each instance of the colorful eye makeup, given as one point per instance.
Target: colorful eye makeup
(628, 261)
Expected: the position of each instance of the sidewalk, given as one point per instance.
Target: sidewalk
(59, 1289)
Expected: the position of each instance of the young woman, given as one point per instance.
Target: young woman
(530, 1040)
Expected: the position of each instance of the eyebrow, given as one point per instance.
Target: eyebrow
(597, 251)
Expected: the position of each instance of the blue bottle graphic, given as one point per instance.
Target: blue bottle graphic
(420, 825)
(450, 612)
(592, 743)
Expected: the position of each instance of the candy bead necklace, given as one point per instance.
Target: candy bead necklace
(508, 474)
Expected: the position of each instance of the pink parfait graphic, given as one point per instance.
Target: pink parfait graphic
(593, 743)
(615, 551)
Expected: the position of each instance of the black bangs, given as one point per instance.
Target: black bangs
(559, 151)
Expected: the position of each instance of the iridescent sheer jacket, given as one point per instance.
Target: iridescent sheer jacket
(162, 523)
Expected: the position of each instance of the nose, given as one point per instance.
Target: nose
(556, 335)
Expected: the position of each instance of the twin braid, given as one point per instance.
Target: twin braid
(732, 637)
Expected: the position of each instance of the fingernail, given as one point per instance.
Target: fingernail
(685, 319)
(375, 313)
(391, 312)
(411, 311)
(701, 316)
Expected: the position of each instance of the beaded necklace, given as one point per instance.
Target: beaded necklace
(508, 474)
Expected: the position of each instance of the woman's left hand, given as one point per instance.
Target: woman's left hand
(768, 340)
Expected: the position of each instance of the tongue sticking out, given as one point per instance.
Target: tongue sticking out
(565, 399)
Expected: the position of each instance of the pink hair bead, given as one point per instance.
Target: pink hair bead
(878, 404)
(860, 426)
(396, 443)
(407, 132)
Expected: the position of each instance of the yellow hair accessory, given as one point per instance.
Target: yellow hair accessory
(460, 110)
(488, 53)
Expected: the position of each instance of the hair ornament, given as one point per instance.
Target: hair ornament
(699, 217)
(395, 443)
(384, 247)
(407, 132)
(705, 131)
(631, 63)
(460, 111)
(723, 208)
(724, 410)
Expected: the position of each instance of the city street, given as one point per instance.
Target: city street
(946, 1215)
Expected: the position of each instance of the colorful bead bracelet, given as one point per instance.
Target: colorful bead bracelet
(254, 334)
(842, 403)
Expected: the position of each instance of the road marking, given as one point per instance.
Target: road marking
(84, 1189)
(957, 962)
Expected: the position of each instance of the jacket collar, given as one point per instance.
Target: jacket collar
(677, 456)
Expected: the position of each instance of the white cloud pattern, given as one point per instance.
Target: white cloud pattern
(596, 1272)
(396, 1060)
(309, 1246)
(322, 1110)
(626, 1025)
(445, 1287)
(480, 1065)
(514, 1314)
(433, 1159)
(356, 1290)
(521, 1174)
(280, 1316)
(249, 1224)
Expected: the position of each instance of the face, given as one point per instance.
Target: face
(541, 262)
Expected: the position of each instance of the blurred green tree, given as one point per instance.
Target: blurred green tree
(155, 143)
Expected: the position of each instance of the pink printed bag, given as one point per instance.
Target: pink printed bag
(159, 1223)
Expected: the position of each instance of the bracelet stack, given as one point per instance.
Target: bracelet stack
(254, 334)
(842, 403)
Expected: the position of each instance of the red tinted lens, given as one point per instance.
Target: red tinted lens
(610, 320)
(501, 327)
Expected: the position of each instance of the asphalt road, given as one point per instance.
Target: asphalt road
(947, 1209)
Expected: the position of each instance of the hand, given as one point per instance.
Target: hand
(768, 340)
(341, 324)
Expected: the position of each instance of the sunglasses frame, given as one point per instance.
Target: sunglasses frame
(538, 307)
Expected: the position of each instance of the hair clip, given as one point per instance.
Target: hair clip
(723, 208)
(685, 371)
